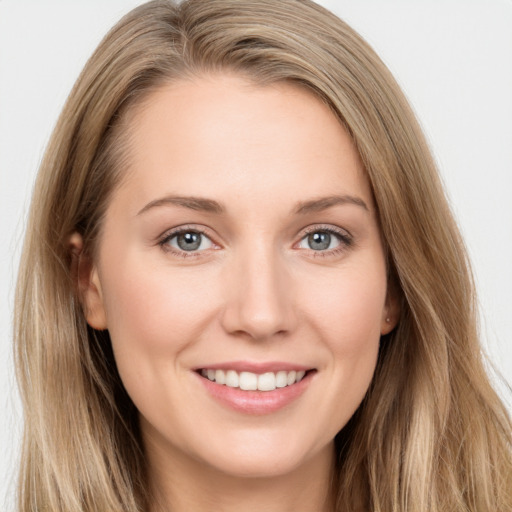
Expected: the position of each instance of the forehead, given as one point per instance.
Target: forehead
(224, 136)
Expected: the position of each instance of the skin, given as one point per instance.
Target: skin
(254, 291)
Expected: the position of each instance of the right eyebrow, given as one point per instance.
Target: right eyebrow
(190, 202)
(323, 203)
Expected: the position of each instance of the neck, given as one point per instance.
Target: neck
(181, 484)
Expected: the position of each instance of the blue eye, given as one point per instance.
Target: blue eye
(322, 240)
(189, 241)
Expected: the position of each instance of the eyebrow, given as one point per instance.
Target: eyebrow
(211, 206)
(323, 203)
(193, 203)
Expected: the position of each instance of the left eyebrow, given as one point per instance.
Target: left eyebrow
(192, 203)
(323, 203)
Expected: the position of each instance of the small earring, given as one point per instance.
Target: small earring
(388, 320)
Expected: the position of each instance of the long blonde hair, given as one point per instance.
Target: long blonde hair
(431, 434)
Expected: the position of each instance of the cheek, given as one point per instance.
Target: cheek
(153, 310)
(349, 308)
(348, 317)
(154, 313)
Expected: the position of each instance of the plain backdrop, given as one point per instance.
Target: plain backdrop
(452, 57)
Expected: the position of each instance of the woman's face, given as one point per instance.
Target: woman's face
(242, 246)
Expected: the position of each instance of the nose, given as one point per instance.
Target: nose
(259, 301)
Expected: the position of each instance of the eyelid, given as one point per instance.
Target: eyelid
(330, 228)
(327, 228)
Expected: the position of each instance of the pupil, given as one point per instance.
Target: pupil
(319, 241)
(189, 241)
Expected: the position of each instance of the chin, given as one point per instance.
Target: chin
(263, 458)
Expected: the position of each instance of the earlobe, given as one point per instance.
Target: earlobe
(87, 282)
(391, 313)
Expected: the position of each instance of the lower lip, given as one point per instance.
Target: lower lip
(256, 402)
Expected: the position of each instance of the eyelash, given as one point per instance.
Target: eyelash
(345, 239)
(169, 235)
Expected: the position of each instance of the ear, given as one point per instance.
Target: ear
(391, 311)
(85, 275)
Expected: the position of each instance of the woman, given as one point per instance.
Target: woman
(242, 285)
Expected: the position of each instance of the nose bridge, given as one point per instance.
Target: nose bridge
(259, 302)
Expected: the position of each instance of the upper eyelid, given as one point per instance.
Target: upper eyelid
(169, 233)
(330, 228)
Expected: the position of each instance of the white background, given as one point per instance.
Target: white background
(452, 57)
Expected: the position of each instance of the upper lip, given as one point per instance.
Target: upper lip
(255, 366)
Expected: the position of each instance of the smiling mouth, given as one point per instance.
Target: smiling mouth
(248, 381)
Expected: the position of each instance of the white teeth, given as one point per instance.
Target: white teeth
(281, 379)
(267, 381)
(232, 379)
(249, 381)
(220, 377)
